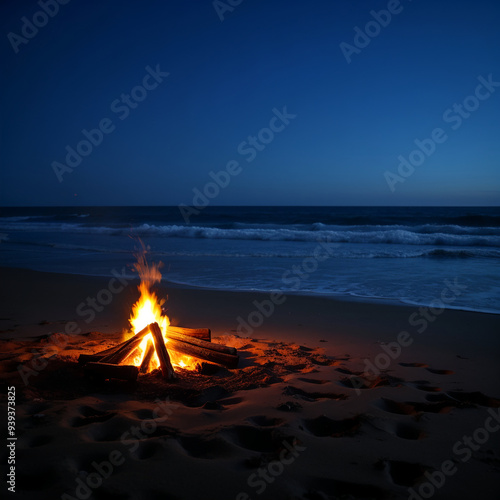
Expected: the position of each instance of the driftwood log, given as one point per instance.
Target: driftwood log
(117, 354)
(219, 358)
(199, 333)
(88, 358)
(146, 360)
(122, 354)
(200, 343)
(129, 360)
(167, 369)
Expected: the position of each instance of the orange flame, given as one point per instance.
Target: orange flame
(148, 310)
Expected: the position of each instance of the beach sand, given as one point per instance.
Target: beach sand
(300, 418)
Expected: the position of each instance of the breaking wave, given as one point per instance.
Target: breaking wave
(478, 237)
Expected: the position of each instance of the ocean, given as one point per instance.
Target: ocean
(399, 254)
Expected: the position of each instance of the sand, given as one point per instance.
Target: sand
(302, 417)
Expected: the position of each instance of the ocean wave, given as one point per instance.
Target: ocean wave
(21, 218)
(420, 229)
(391, 236)
(375, 235)
(341, 252)
(458, 253)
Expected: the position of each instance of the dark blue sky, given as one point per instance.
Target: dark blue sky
(352, 120)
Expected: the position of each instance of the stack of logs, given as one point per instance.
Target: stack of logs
(196, 343)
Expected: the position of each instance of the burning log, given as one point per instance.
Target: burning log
(214, 356)
(150, 350)
(123, 353)
(201, 343)
(118, 352)
(199, 333)
(167, 369)
(126, 348)
(88, 358)
(132, 355)
(111, 371)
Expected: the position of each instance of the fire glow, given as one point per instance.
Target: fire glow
(147, 310)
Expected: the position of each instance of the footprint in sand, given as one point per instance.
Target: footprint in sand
(355, 382)
(347, 371)
(114, 429)
(313, 381)
(323, 361)
(289, 406)
(440, 372)
(110, 430)
(405, 473)
(324, 426)
(284, 444)
(311, 396)
(404, 428)
(145, 414)
(465, 399)
(437, 403)
(397, 407)
(255, 438)
(267, 440)
(90, 415)
(423, 385)
(408, 431)
(263, 421)
(414, 365)
(428, 388)
(210, 395)
(206, 448)
(147, 449)
(83, 461)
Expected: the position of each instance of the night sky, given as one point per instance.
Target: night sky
(278, 95)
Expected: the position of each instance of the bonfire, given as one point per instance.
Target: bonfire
(153, 343)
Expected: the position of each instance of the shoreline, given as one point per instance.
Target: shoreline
(300, 293)
(352, 324)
